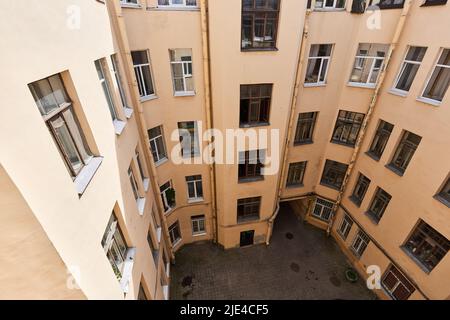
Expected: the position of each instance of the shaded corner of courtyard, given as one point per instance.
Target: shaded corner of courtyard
(300, 263)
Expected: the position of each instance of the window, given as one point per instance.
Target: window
(198, 225)
(396, 284)
(440, 78)
(345, 227)
(330, 4)
(444, 194)
(360, 243)
(259, 24)
(405, 152)
(379, 204)
(427, 246)
(181, 63)
(175, 234)
(139, 163)
(433, 3)
(305, 128)
(318, 61)
(177, 3)
(134, 185)
(130, 2)
(251, 164)
(143, 73)
(360, 189)
(248, 209)
(296, 174)
(387, 4)
(409, 68)
(155, 252)
(141, 293)
(167, 196)
(189, 139)
(99, 65)
(347, 127)
(323, 209)
(194, 187)
(380, 139)
(255, 104)
(368, 63)
(157, 145)
(57, 111)
(333, 174)
(117, 76)
(116, 248)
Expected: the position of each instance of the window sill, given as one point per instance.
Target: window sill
(127, 269)
(200, 234)
(166, 213)
(258, 49)
(329, 9)
(161, 162)
(343, 144)
(128, 112)
(442, 200)
(174, 8)
(119, 126)
(395, 170)
(330, 186)
(184, 94)
(87, 173)
(375, 220)
(312, 85)
(131, 6)
(141, 205)
(252, 179)
(158, 234)
(374, 157)
(247, 219)
(302, 143)
(148, 98)
(146, 183)
(176, 243)
(253, 125)
(435, 103)
(293, 186)
(397, 92)
(361, 85)
(417, 261)
(195, 200)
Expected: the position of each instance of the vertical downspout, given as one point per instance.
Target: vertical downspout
(208, 107)
(372, 105)
(118, 25)
(298, 81)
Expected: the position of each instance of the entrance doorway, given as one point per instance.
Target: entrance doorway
(247, 238)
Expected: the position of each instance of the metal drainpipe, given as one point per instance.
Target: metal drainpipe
(208, 107)
(297, 84)
(372, 105)
(118, 25)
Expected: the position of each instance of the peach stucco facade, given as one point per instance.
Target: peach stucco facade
(53, 234)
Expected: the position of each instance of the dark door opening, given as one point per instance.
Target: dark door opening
(247, 238)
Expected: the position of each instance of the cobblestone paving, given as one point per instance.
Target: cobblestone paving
(300, 263)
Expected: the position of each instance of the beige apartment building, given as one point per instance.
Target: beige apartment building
(94, 200)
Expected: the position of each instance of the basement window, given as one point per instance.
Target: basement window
(396, 284)
(345, 227)
(323, 209)
(360, 243)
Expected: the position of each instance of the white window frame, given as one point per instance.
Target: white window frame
(176, 5)
(196, 225)
(359, 63)
(345, 226)
(164, 196)
(185, 66)
(329, 205)
(428, 100)
(360, 235)
(123, 96)
(194, 182)
(176, 224)
(402, 70)
(325, 7)
(141, 79)
(108, 95)
(153, 140)
(130, 3)
(322, 59)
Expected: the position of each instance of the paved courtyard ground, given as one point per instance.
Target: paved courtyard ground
(300, 263)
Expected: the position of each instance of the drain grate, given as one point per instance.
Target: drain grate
(289, 236)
